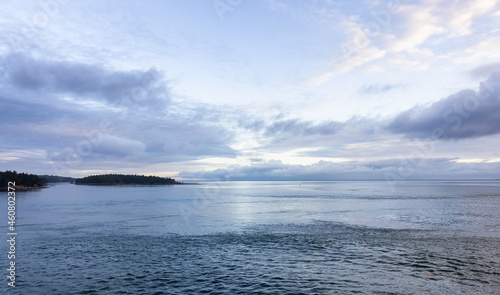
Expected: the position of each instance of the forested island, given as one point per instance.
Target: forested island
(22, 181)
(120, 179)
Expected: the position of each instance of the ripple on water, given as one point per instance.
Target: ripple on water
(321, 258)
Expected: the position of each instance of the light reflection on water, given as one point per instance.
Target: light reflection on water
(437, 237)
(215, 207)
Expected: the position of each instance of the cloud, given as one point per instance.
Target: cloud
(118, 146)
(462, 17)
(88, 116)
(421, 23)
(392, 169)
(279, 132)
(254, 160)
(410, 36)
(320, 79)
(296, 127)
(485, 71)
(377, 88)
(359, 47)
(86, 81)
(465, 114)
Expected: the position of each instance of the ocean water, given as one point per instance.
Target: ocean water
(257, 238)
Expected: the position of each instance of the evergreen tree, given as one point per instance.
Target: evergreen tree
(113, 179)
(21, 179)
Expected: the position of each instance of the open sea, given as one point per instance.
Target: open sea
(233, 237)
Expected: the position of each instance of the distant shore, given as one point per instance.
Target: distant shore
(125, 184)
(22, 188)
(121, 179)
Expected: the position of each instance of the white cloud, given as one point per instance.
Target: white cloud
(462, 15)
(320, 79)
(484, 50)
(420, 24)
(15, 155)
(415, 37)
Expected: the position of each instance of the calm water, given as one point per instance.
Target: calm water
(258, 237)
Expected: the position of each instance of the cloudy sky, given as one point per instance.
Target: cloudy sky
(252, 90)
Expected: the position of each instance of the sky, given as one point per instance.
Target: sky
(251, 90)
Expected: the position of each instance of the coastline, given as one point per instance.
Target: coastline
(22, 188)
(125, 184)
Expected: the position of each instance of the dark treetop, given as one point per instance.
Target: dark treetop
(113, 179)
(22, 180)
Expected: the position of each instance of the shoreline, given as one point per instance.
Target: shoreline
(123, 184)
(21, 188)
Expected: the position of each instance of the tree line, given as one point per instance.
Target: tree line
(21, 179)
(113, 179)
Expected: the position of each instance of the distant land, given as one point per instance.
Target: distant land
(120, 179)
(56, 178)
(23, 181)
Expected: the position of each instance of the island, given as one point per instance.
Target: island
(20, 181)
(121, 179)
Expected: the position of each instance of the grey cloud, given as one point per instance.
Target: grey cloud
(22, 110)
(432, 168)
(465, 114)
(153, 140)
(199, 141)
(485, 71)
(277, 131)
(152, 130)
(377, 88)
(251, 124)
(86, 81)
(300, 128)
(293, 133)
(119, 146)
(253, 160)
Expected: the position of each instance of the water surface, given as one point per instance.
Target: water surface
(259, 237)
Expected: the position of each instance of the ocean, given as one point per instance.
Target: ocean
(230, 237)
